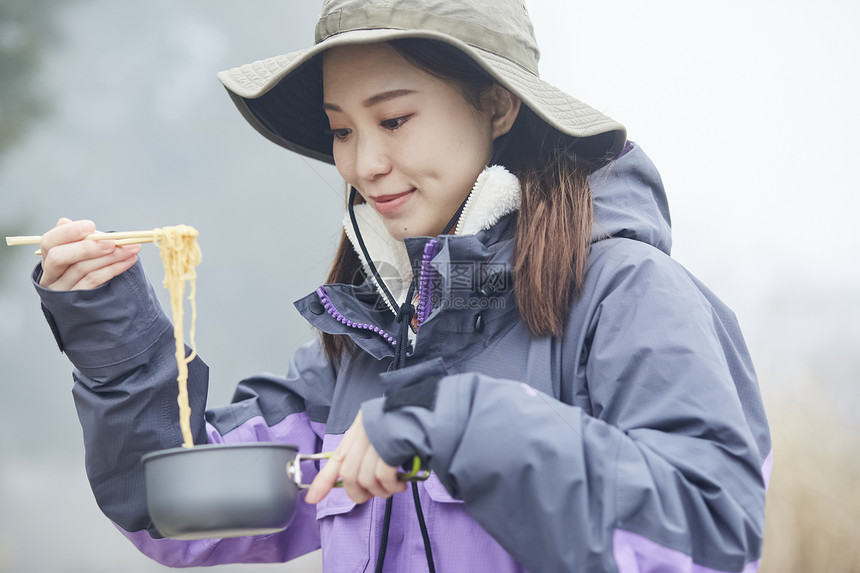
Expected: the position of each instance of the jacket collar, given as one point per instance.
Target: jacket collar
(496, 193)
(471, 291)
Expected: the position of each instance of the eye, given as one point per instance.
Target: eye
(395, 123)
(338, 134)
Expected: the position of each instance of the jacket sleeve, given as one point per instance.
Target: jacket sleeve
(660, 472)
(125, 392)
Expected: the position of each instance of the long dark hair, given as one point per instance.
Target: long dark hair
(553, 234)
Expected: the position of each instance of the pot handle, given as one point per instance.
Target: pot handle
(294, 470)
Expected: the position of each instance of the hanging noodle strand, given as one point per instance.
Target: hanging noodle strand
(180, 254)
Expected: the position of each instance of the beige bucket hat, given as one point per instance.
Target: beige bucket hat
(282, 96)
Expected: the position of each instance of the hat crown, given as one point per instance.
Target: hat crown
(502, 27)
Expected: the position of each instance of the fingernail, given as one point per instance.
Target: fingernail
(106, 246)
(86, 227)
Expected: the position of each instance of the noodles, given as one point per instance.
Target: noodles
(180, 254)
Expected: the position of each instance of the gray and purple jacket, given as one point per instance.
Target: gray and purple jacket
(635, 442)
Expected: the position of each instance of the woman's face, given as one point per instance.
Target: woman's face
(406, 140)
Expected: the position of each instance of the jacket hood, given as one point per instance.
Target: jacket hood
(630, 202)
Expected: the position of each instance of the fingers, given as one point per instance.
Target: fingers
(96, 272)
(71, 263)
(325, 479)
(66, 231)
(352, 463)
(374, 478)
(364, 474)
(85, 264)
(386, 477)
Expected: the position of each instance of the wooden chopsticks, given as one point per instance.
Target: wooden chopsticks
(121, 238)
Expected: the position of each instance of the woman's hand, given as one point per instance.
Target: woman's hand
(363, 472)
(70, 262)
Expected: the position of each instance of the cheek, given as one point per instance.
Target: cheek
(469, 142)
(343, 165)
(481, 139)
(468, 152)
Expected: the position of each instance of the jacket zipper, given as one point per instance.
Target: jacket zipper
(424, 289)
(329, 307)
(425, 282)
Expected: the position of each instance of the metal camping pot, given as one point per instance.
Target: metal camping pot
(229, 490)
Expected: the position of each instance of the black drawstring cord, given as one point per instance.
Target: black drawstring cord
(383, 544)
(404, 320)
(428, 552)
(351, 208)
(405, 312)
(425, 535)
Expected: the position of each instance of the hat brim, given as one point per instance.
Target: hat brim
(281, 97)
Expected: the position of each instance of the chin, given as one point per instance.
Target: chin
(398, 233)
(402, 230)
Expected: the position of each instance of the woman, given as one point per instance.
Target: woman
(502, 305)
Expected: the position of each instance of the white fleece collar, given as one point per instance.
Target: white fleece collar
(495, 194)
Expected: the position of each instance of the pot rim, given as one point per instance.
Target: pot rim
(209, 447)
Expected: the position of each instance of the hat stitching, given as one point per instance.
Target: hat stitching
(468, 32)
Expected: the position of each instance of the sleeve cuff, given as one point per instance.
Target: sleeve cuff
(402, 433)
(395, 451)
(106, 325)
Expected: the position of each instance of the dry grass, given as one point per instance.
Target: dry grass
(813, 512)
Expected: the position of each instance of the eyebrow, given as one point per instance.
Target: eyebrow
(375, 99)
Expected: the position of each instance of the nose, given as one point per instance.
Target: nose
(372, 159)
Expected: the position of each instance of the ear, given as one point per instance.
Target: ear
(505, 107)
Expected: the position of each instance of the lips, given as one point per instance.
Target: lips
(387, 204)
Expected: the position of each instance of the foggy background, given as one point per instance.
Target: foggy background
(111, 111)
